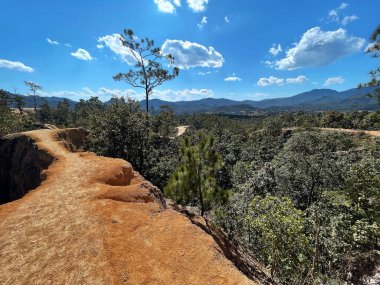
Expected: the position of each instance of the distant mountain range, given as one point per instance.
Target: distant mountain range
(53, 101)
(314, 100)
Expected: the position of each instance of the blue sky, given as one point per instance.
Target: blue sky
(237, 49)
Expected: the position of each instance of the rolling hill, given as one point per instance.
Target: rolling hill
(314, 100)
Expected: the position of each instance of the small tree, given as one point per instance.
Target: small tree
(45, 113)
(374, 49)
(194, 180)
(20, 103)
(9, 122)
(33, 87)
(63, 114)
(4, 98)
(148, 72)
(119, 131)
(278, 235)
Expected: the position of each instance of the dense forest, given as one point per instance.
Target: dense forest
(304, 200)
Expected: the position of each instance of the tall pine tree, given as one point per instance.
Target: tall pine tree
(194, 182)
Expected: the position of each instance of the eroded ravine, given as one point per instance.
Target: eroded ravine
(96, 221)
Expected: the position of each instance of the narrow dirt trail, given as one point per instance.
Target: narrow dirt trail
(96, 221)
(46, 237)
(341, 130)
(352, 131)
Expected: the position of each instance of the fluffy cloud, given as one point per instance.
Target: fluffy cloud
(188, 54)
(319, 48)
(183, 95)
(232, 78)
(105, 94)
(16, 65)
(297, 80)
(202, 23)
(263, 82)
(167, 6)
(113, 43)
(348, 19)
(334, 80)
(226, 19)
(197, 5)
(275, 50)
(82, 54)
(52, 42)
(271, 80)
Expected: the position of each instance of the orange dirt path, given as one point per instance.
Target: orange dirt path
(96, 221)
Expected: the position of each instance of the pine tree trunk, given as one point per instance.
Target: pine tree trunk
(146, 102)
(35, 102)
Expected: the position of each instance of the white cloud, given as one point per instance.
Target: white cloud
(167, 6)
(16, 65)
(226, 19)
(187, 54)
(334, 80)
(197, 5)
(183, 95)
(297, 80)
(319, 48)
(275, 50)
(232, 78)
(82, 54)
(203, 73)
(99, 46)
(114, 43)
(202, 23)
(68, 45)
(335, 15)
(52, 42)
(348, 19)
(263, 82)
(343, 6)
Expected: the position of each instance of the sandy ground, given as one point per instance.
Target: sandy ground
(181, 130)
(95, 221)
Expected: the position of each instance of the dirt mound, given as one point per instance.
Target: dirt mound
(94, 220)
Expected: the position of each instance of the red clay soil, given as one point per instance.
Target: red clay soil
(96, 221)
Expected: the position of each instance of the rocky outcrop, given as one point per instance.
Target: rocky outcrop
(94, 220)
(21, 166)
